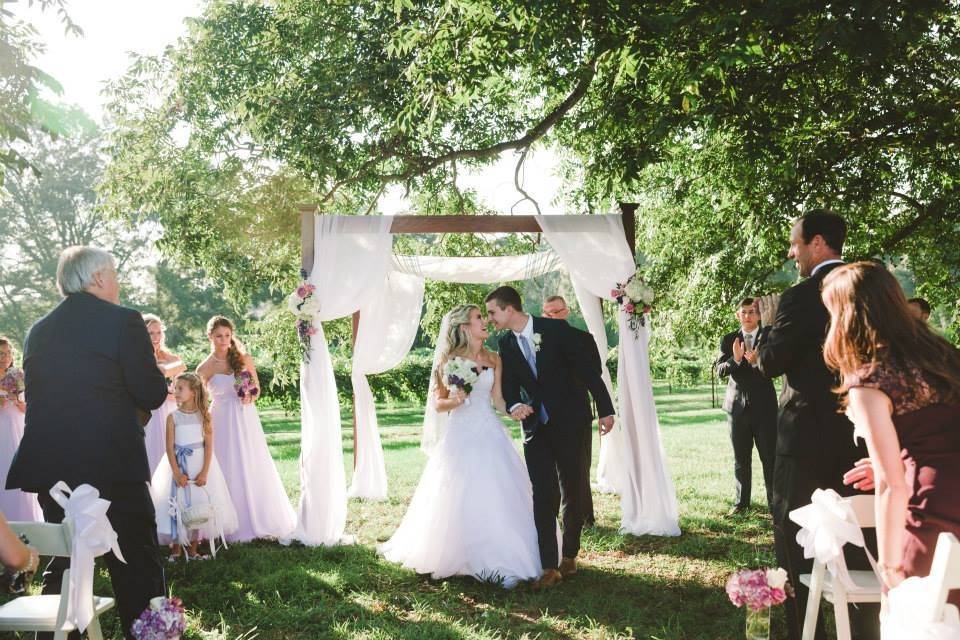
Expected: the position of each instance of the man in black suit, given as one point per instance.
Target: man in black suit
(547, 376)
(814, 440)
(751, 403)
(555, 307)
(89, 367)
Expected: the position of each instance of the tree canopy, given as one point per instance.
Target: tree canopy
(724, 120)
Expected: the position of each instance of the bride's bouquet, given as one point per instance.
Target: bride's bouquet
(461, 373)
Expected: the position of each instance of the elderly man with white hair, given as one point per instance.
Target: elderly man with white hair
(89, 368)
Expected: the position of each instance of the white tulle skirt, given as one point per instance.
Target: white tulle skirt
(15, 504)
(472, 512)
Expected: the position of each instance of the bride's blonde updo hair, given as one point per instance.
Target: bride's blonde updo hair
(457, 338)
(236, 350)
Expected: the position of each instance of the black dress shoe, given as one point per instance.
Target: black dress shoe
(736, 510)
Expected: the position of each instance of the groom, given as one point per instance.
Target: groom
(547, 372)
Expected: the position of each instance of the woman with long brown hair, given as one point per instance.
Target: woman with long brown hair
(901, 383)
(263, 508)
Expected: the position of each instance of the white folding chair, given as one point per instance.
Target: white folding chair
(846, 586)
(49, 612)
(945, 574)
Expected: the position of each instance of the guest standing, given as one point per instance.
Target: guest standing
(920, 308)
(902, 382)
(170, 366)
(263, 508)
(555, 307)
(750, 403)
(14, 504)
(89, 367)
(814, 440)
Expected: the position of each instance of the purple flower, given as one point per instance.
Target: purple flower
(752, 588)
(165, 622)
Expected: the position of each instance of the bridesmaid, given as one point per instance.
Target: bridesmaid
(15, 504)
(902, 383)
(171, 366)
(263, 508)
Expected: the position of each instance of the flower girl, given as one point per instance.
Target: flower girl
(191, 475)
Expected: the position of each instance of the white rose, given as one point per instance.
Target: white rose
(776, 578)
(292, 301)
(634, 290)
(647, 295)
(310, 308)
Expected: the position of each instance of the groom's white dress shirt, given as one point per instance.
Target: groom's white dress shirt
(526, 332)
(823, 264)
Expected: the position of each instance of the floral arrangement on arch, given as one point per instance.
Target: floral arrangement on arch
(635, 298)
(304, 306)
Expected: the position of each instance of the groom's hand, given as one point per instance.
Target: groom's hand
(521, 412)
(606, 425)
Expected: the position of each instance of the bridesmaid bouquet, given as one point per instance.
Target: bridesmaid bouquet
(462, 374)
(634, 297)
(12, 384)
(244, 385)
(163, 620)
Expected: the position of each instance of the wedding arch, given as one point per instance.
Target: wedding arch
(350, 262)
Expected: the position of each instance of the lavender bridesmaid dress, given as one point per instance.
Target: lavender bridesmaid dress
(263, 508)
(15, 504)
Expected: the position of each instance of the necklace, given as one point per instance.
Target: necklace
(216, 359)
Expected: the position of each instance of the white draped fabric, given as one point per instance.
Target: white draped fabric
(351, 261)
(388, 326)
(354, 270)
(596, 254)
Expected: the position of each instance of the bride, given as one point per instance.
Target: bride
(472, 512)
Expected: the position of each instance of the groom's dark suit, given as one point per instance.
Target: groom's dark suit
(565, 379)
(814, 440)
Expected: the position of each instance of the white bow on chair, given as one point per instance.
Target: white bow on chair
(93, 536)
(826, 525)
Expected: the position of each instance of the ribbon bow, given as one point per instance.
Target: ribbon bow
(93, 536)
(826, 525)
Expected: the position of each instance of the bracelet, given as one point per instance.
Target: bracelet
(885, 569)
(31, 567)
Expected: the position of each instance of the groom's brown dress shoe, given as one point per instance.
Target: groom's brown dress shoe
(568, 567)
(550, 578)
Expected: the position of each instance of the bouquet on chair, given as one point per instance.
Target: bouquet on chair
(163, 620)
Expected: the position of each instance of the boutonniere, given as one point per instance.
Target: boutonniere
(536, 341)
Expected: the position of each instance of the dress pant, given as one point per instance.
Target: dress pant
(555, 462)
(794, 480)
(588, 516)
(131, 514)
(747, 428)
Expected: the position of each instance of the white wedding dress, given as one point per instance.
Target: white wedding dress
(472, 512)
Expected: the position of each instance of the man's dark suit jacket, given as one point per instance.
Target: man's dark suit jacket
(567, 373)
(89, 365)
(809, 423)
(746, 386)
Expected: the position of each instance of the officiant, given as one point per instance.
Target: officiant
(89, 367)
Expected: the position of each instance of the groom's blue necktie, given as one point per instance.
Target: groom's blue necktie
(532, 361)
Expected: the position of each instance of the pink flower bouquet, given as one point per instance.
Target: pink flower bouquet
(12, 383)
(757, 588)
(245, 386)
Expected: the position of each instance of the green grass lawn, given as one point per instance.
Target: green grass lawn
(628, 587)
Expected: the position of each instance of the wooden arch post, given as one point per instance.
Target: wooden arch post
(408, 224)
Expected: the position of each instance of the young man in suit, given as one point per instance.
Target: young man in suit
(815, 443)
(750, 402)
(548, 379)
(89, 367)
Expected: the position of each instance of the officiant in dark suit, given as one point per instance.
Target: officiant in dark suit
(89, 367)
(750, 402)
(814, 439)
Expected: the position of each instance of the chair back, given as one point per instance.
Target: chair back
(945, 570)
(48, 539)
